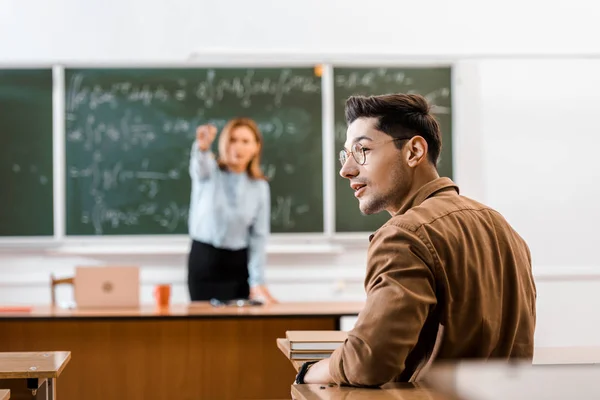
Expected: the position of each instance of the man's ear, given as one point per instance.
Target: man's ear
(416, 151)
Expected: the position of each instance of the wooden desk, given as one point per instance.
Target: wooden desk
(4, 394)
(32, 372)
(396, 391)
(184, 352)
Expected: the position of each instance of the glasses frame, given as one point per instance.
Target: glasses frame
(357, 147)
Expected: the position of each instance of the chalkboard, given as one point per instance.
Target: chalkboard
(129, 134)
(26, 204)
(433, 83)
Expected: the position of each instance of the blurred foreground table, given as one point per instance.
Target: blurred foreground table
(32, 375)
(495, 380)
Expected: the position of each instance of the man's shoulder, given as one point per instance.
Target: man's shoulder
(435, 209)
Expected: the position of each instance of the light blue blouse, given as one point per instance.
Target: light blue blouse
(229, 210)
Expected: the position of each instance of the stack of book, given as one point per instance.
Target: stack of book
(302, 346)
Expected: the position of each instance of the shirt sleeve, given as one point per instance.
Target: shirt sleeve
(259, 233)
(202, 163)
(400, 295)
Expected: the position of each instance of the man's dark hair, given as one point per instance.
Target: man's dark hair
(402, 116)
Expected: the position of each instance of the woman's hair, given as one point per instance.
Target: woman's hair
(254, 171)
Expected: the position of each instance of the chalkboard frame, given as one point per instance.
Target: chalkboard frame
(183, 66)
(237, 61)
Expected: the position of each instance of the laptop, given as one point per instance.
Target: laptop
(107, 287)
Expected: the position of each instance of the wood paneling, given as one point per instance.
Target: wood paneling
(165, 358)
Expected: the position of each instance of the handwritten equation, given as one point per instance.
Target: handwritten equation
(101, 216)
(206, 86)
(103, 182)
(285, 212)
(28, 173)
(371, 78)
(174, 216)
(131, 131)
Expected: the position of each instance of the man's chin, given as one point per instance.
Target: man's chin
(365, 209)
(369, 208)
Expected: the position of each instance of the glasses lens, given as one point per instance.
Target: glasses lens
(343, 157)
(358, 153)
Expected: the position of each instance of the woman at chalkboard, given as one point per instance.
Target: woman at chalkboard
(229, 219)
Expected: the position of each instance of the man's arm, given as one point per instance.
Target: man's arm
(400, 295)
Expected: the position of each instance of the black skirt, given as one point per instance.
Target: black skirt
(217, 273)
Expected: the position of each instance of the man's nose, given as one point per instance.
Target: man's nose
(350, 169)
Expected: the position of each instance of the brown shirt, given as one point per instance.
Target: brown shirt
(447, 278)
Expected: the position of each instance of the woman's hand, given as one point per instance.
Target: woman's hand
(261, 292)
(205, 135)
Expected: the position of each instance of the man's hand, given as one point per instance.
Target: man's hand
(318, 373)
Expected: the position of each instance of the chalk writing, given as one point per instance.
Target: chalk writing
(213, 89)
(340, 132)
(129, 132)
(132, 130)
(33, 170)
(269, 170)
(111, 177)
(210, 90)
(101, 216)
(285, 211)
(370, 78)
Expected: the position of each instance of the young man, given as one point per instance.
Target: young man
(447, 277)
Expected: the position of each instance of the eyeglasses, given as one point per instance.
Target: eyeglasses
(359, 152)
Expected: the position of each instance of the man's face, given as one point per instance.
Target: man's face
(383, 181)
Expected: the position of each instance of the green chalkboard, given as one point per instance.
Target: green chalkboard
(26, 204)
(433, 83)
(129, 134)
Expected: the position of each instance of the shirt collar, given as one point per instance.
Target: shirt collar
(425, 192)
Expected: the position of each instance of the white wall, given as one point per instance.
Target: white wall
(160, 29)
(525, 129)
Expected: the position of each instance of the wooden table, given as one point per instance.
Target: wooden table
(396, 391)
(4, 394)
(184, 352)
(27, 373)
